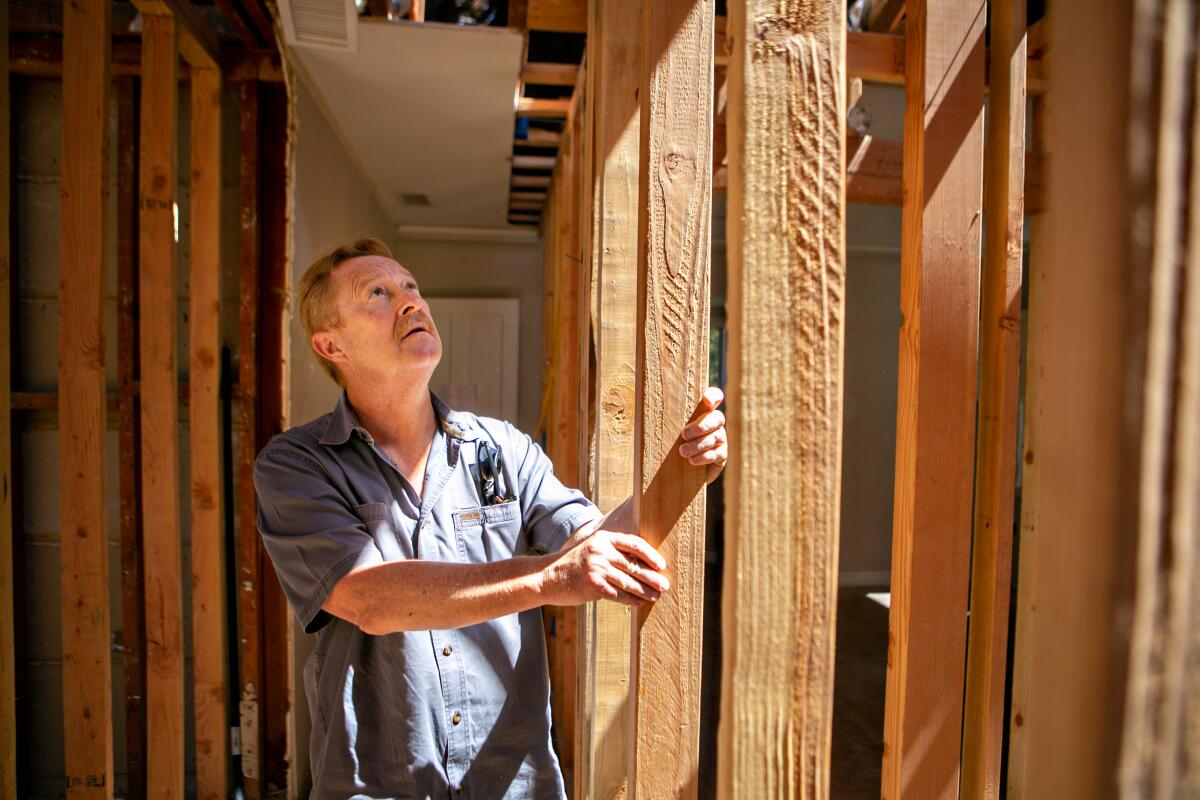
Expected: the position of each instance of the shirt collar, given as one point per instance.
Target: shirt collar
(343, 421)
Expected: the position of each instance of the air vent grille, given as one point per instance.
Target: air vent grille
(320, 23)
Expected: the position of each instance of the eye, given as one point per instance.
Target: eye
(411, 286)
(378, 291)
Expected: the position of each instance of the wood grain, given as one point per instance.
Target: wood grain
(160, 412)
(1157, 748)
(249, 564)
(674, 204)
(935, 415)
(786, 250)
(8, 677)
(564, 16)
(1081, 467)
(985, 715)
(614, 60)
(204, 442)
(86, 659)
(133, 596)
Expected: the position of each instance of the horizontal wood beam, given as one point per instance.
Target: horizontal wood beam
(879, 58)
(529, 195)
(564, 16)
(545, 74)
(543, 108)
(530, 181)
(534, 162)
(198, 43)
(42, 58)
(885, 15)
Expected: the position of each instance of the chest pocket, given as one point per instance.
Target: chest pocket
(382, 523)
(490, 533)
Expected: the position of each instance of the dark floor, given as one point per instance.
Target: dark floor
(858, 688)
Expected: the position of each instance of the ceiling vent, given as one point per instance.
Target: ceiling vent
(329, 24)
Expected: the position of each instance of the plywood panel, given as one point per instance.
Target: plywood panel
(675, 211)
(87, 667)
(786, 251)
(935, 415)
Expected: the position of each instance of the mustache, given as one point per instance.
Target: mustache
(418, 319)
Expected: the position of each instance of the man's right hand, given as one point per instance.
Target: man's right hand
(606, 565)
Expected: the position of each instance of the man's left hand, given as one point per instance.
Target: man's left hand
(705, 442)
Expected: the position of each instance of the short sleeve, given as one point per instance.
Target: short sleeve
(551, 510)
(312, 535)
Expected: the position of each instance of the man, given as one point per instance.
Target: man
(419, 543)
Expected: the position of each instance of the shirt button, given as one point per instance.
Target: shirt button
(447, 650)
(457, 718)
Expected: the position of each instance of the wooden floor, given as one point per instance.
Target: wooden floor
(858, 687)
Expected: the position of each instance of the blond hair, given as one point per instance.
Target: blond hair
(318, 305)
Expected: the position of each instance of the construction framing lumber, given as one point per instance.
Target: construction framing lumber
(158, 310)
(885, 15)
(875, 57)
(674, 219)
(542, 108)
(549, 74)
(985, 715)
(1159, 757)
(204, 444)
(8, 667)
(42, 58)
(786, 251)
(249, 563)
(935, 414)
(133, 598)
(197, 41)
(563, 16)
(1083, 308)
(83, 540)
(601, 773)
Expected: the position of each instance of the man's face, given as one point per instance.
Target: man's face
(386, 328)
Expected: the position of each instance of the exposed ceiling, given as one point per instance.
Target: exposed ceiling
(425, 109)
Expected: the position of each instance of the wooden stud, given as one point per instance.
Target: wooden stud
(207, 520)
(196, 39)
(162, 561)
(536, 197)
(1159, 754)
(786, 249)
(86, 660)
(674, 202)
(935, 415)
(530, 181)
(601, 773)
(875, 56)
(1081, 469)
(999, 396)
(271, 419)
(249, 563)
(8, 680)
(133, 595)
(533, 162)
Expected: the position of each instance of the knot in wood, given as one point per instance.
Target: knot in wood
(776, 32)
(675, 162)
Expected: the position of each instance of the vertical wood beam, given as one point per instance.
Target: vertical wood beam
(999, 395)
(614, 61)
(249, 550)
(86, 660)
(8, 666)
(786, 249)
(159, 310)
(133, 596)
(1078, 478)
(207, 519)
(674, 241)
(935, 416)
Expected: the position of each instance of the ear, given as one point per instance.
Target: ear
(326, 345)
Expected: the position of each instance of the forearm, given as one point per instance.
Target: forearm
(430, 595)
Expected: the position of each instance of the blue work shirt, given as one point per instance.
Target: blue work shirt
(417, 714)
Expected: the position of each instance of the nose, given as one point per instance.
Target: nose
(410, 302)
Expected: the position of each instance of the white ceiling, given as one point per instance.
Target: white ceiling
(428, 109)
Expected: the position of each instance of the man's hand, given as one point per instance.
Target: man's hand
(704, 439)
(605, 565)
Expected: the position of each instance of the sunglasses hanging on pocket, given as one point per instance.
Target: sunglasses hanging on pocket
(490, 461)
